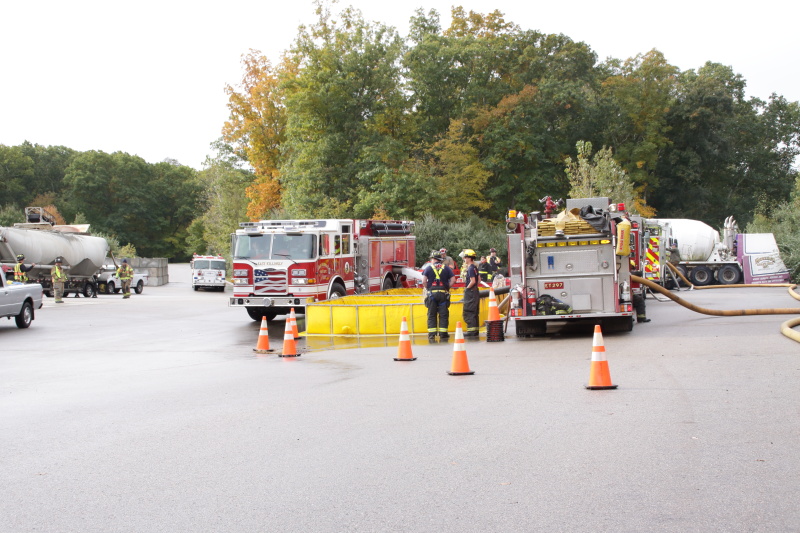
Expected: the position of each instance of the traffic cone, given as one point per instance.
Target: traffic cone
(460, 365)
(294, 324)
(404, 348)
(599, 376)
(289, 347)
(263, 338)
(494, 312)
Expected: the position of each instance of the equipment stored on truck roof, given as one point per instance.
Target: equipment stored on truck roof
(282, 264)
(574, 266)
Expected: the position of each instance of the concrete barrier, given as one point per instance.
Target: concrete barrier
(155, 267)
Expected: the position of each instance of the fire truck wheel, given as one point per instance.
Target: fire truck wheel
(388, 283)
(729, 275)
(701, 276)
(337, 291)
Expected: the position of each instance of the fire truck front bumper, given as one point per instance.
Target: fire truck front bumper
(260, 301)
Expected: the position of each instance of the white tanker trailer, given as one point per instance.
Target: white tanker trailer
(82, 255)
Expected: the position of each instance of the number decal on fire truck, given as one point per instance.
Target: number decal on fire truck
(550, 285)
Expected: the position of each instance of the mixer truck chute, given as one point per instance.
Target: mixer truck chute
(42, 242)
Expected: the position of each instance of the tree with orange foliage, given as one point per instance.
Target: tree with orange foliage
(256, 128)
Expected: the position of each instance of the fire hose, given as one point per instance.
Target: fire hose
(786, 327)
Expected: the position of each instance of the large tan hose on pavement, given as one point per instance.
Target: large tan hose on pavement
(786, 327)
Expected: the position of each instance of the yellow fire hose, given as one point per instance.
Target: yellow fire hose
(786, 327)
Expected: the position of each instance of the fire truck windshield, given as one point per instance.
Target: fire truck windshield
(275, 246)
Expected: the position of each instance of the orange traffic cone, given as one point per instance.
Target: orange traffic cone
(494, 312)
(263, 338)
(404, 348)
(294, 324)
(460, 365)
(289, 347)
(599, 376)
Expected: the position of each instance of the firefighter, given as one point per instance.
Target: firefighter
(638, 297)
(59, 278)
(20, 270)
(125, 275)
(484, 270)
(471, 296)
(447, 260)
(494, 263)
(436, 280)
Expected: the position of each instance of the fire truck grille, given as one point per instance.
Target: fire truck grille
(269, 281)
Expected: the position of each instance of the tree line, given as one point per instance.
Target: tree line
(458, 124)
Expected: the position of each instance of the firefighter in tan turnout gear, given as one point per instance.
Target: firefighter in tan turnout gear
(59, 278)
(125, 275)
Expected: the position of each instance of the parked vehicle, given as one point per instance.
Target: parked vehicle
(704, 258)
(280, 264)
(571, 267)
(208, 272)
(109, 283)
(18, 300)
(41, 242)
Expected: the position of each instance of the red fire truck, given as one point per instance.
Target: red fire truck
(282, 264)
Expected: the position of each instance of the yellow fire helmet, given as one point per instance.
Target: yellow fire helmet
(470, 253)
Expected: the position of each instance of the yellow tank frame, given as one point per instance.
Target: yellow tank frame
(382, 313)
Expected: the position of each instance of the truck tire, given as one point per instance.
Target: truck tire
(729, 275)
(110, 287)
(139, 287)
(337, 291)
(387, 283)
(25, 316)
(89, 289)
(257, 314)
(701, 276)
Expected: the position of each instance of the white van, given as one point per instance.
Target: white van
(208, 272)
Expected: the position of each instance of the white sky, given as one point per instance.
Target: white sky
(148, 77)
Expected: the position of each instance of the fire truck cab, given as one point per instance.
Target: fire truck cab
(282, 264)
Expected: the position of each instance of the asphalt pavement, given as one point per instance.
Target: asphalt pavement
(154, 414)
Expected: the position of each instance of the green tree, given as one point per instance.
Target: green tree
(223, 203)
(600, 175)
(637, 96)
(16, 174)
(344, 101)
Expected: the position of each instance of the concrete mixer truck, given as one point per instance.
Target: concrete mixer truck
(704, 258)
(41, 241)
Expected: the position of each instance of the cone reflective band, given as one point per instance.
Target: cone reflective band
(404, 347)
(599, 375)
(293, 318)
(263, 338)
(289, 347)
(460, 365)
(494, 312)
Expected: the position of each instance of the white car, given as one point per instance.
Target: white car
(109, 283)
